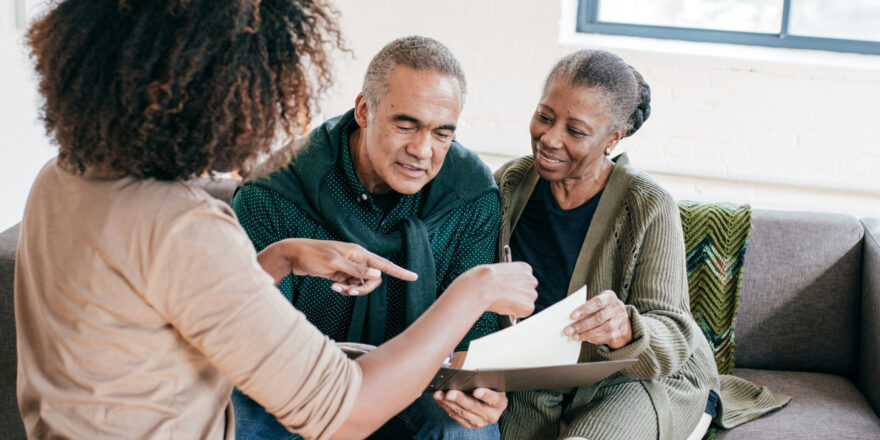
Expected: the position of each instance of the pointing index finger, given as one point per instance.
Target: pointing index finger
(391, 268)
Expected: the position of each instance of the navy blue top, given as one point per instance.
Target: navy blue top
(549, 238)
(712, 404)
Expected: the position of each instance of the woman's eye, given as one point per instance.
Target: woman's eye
(543, 118)
(576, 133)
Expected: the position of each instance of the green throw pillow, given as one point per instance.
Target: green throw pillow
(715, 238)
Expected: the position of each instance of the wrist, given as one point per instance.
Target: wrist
(276, 259)
(487, 295)
(471, 285)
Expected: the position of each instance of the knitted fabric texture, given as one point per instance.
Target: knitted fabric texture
(716, 236)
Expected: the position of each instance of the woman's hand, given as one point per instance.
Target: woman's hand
(602, 320)
(484, 408)
(509, 288)
(355, 270)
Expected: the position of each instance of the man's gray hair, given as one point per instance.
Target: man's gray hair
(420, 53)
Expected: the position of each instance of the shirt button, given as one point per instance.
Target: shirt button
(364, 197)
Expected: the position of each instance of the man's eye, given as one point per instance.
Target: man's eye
(405, 129)
(443, 136)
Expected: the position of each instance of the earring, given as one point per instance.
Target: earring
(608, 152)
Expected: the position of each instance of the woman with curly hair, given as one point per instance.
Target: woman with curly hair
(137, 296)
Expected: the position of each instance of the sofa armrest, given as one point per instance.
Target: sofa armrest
(869, 358)
(10, 420)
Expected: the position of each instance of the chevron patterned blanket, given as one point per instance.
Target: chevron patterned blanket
(716, 236)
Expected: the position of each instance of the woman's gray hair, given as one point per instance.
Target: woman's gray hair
(420, 53)
(627, 95)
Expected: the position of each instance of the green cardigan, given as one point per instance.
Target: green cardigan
(635, 247)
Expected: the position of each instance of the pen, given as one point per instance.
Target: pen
(507, 258)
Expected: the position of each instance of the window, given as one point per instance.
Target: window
(843, 26)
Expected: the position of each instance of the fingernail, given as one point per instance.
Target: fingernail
(451, 395)
(438, 395)
(479, 393)
(373, 273)
(577, 315)
(569, 331)
(354, 292)
(336, 288)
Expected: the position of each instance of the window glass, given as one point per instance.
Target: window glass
(763, 16)
(850, 19)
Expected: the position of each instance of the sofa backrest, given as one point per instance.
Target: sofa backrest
(800, 297)
(222, 189)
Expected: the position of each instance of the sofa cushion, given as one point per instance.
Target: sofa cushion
(823, 406)
(800, 299)
(715, 238)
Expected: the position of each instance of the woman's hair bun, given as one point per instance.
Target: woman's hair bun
(643, 106)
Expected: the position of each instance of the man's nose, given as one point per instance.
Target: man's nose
(420, 147)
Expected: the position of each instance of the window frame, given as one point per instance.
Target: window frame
(588, 22)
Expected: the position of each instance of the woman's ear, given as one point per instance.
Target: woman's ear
(613, 140)
(361, 110)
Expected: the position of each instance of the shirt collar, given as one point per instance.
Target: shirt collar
(349, 176)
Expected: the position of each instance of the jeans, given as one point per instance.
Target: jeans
(424, 419)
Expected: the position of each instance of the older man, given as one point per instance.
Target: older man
(389, 176)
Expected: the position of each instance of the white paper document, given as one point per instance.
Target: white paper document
(535, 342)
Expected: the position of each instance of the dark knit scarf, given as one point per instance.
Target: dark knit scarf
(462, 178)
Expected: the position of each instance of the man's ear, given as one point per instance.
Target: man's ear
(361, 110)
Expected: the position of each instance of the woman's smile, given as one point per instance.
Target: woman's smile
(548, 162)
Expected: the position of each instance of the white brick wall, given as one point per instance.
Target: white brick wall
(775, 128)
(24, 147)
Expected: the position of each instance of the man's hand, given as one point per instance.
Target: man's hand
(603, 320)
(481, 409)
(355, 270)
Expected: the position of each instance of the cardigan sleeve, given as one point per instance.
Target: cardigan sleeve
(664, 333)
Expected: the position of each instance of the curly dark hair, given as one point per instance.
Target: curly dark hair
(170, 89)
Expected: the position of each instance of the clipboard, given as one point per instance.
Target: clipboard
(511, 379)
(521, 379)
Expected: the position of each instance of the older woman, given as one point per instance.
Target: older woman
(137, 296)
(581, 216)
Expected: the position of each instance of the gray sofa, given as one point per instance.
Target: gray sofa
(808, 325)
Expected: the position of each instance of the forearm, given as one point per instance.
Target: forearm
(274, 261)
(407, 363)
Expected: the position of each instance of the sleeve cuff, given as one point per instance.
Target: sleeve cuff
(635, 348)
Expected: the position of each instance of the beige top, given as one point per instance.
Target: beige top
(138, 303)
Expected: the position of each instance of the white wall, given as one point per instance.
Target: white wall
(776, 128)
(24, 147)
